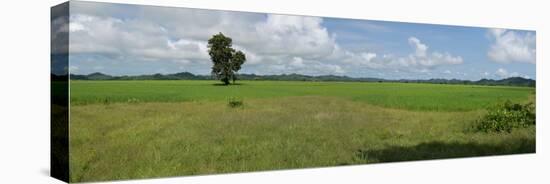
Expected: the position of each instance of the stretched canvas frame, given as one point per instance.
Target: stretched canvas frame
(145, 91)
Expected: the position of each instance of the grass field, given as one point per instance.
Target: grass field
(392, 95)
(142, 129)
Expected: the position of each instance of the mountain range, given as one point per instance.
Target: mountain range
(512, 81)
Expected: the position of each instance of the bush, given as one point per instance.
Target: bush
(507, 116)
(106, 101)
(234, 102)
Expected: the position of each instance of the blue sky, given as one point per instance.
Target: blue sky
(133, 39)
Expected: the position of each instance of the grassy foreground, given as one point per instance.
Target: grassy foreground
(142, 129)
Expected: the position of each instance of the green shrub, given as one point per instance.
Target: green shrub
(106, 101)
(235, 102)
(507, 116)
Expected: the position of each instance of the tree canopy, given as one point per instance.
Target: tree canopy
(227, 61)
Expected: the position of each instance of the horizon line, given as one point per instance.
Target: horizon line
(346, 76)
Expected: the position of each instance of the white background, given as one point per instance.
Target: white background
(24, 90)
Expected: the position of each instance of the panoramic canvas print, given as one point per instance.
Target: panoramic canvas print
(147, 91)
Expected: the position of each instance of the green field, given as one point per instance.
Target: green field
(141, 129)
(392, 95)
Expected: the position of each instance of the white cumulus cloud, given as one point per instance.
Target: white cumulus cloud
(423, 58)
(420, 48)
(511, 46)
(273, 44)
(503, 73)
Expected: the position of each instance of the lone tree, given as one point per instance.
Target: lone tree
(227, 61)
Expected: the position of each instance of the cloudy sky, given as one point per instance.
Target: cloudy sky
(131, 39)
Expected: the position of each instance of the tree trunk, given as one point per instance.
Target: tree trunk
(225, 81)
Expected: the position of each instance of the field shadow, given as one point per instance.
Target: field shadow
(221, 84)
(443, 150)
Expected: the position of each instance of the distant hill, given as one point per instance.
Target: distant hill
(158, 76)
(98, 76)
(512, 81)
